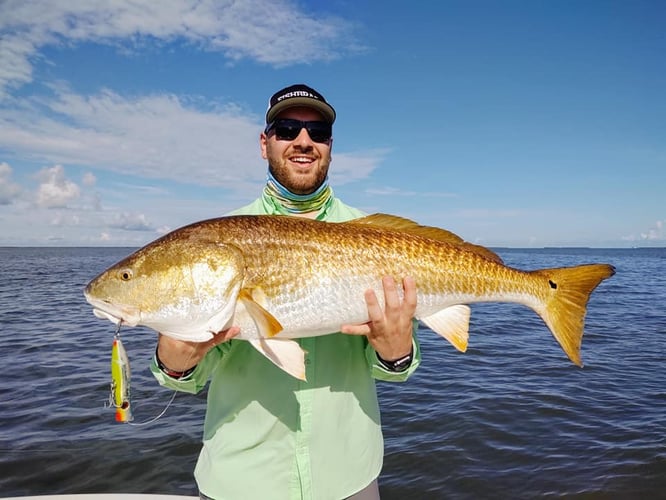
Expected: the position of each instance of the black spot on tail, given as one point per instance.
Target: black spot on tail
(552, 284)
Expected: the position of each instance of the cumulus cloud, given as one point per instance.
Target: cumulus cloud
(350, 167)
(55, 190)
(161, 136)
(656, 232)
(9, 191)
(131, 222)
(273, 32)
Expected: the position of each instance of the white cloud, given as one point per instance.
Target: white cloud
(131, 222)
(143, 137)
(350, 167)
(274, 32)
(153, 136)
(656, 232)
(55, 191)
(159, 137)
(15, 66)
(9, 191)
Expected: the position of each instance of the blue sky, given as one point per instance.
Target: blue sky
(512, 123)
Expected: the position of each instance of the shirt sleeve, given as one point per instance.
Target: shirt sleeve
(378, 370)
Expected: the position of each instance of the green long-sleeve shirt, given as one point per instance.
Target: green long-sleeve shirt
(269, 435)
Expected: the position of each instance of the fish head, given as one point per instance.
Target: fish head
(185, 287)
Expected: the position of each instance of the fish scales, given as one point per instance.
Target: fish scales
(293, 255)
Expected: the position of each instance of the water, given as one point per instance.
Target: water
(511, 418)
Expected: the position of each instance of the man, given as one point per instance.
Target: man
(268, 435)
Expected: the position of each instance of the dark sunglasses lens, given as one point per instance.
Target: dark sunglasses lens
(319, 131)
(288, 130)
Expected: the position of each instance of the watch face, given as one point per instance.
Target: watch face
(402, 364)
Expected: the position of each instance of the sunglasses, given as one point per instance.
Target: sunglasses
(287, 129)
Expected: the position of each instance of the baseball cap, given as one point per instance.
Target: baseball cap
(298, 95)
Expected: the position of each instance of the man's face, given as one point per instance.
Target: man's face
(300, 165)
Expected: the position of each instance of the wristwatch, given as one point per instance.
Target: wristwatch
(399, 365)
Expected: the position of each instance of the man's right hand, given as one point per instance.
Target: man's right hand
(180, 355)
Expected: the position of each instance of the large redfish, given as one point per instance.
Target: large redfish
(280, 278)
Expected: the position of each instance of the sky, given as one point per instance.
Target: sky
(511, 123)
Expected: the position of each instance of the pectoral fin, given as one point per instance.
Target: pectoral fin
(451, 323)
(285, 353)
(266, 323)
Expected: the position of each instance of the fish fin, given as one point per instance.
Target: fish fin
(482, 251)
(434, 233)
(564, 309)
(286, 354)
(266, 323)
(404, 225)
(259, 296)
(451, 323)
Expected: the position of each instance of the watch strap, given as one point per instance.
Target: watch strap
(397, 365)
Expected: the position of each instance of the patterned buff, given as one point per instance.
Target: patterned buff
(285, 201)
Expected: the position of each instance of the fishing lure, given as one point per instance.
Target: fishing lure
(120, 382)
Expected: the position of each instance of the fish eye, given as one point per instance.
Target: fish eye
(125, 274)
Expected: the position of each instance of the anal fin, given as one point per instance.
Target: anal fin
(452, 323)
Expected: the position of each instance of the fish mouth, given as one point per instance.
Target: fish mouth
(116, 314)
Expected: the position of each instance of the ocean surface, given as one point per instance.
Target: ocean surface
(510, 418)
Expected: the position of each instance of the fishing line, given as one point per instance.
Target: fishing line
(139, 424)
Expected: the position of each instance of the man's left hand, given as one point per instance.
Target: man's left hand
(389, 330)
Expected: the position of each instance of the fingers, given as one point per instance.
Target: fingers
(409, 299)
(391, 297)
(223, 336)
(375, 312)
(180, 355)
(396, 315)
(363, 329)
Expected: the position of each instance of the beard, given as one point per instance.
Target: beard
(295, 182)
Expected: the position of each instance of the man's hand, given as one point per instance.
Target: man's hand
(180, 356)
(389, 331)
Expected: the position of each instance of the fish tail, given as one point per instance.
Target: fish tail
(564, 309)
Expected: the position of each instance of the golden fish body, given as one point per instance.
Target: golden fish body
(280, 278)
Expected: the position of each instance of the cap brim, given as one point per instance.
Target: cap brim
(326, 111)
